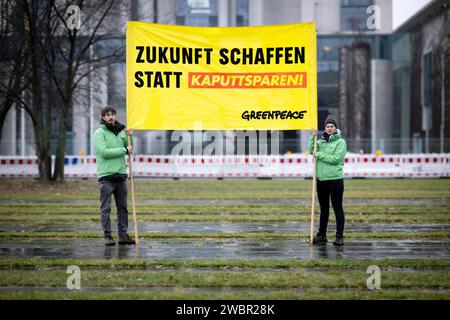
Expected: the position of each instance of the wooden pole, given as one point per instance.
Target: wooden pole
(133, 202)
(313, 202)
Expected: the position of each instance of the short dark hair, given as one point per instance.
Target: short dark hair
(107, 109)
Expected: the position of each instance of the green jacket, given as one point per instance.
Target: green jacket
(330, 156)
(110, 151)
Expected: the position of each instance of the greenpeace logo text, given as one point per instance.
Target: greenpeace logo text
(275, 114)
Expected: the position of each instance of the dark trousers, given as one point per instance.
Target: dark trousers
(120, 190)
(335, 190)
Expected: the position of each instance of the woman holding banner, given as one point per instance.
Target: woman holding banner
(331, 150)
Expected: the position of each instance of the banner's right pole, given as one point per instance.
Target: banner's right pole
(313, 197)
(314, 180)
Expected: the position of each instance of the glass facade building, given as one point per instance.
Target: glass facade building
(414, 53)
(328, 65)
(354, 14)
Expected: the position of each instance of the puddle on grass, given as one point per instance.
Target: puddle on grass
(230, 249)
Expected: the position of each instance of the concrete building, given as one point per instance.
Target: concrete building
(421, 68)
(340, 23)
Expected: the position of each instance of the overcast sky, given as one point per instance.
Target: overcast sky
(404, 9)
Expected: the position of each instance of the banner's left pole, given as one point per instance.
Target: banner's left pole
(133, 201)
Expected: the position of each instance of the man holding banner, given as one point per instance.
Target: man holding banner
(111, 146)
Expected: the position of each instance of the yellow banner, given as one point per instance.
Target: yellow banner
(239, 78)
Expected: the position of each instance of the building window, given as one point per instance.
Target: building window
(201, 13)
(427, 81)
(241, 13)
(354, 14)
(328, 75)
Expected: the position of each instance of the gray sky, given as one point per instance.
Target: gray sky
(404, 9)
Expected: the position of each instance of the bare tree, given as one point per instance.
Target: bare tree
(50, 62)
(73, 46)
(12, 57)
(23, 72)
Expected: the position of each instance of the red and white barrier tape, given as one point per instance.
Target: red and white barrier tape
(286, 166)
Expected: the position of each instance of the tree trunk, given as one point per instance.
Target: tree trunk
(344, 114)
(3, 112)
(41, 131)
(353, 93)
(360, 93)
(62, 129)
(60, 148)
(42, 140)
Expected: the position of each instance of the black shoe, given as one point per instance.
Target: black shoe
(339, 241)
(320, 239)
(109, 241)
(126, 239)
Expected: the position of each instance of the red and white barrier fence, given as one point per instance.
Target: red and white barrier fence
(282, 166)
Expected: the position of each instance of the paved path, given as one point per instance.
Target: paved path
(229, 249)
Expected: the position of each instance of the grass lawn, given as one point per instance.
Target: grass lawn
(228, 189)
(408, 202)
(219, 279)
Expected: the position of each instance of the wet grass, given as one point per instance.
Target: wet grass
(294, 278)
(220, 279)
(209, 294)
(46, 212)
(227, 189)
(52, 207)
(298, 282)
(376, 218)
(116, 263)
(212, 209)
(45, 205)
